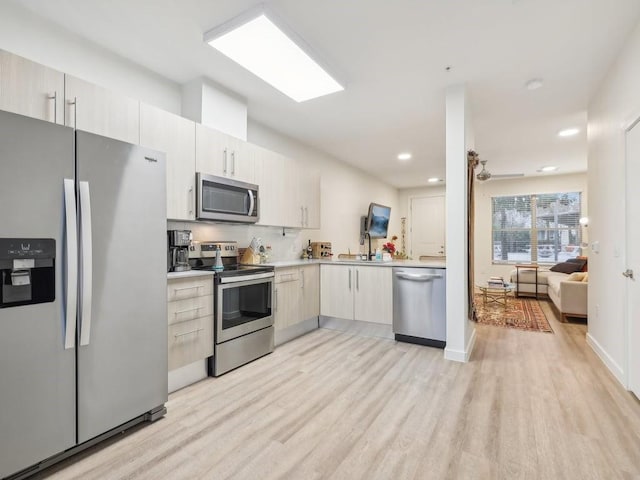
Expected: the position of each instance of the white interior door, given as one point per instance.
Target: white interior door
(633, 256)
(427, 216)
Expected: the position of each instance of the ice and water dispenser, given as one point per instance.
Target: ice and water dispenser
(27, 269)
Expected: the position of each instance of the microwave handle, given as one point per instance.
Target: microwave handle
(252, 201)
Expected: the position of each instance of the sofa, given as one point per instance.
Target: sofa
(567, 291)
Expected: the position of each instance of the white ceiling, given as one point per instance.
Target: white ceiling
(392, 55)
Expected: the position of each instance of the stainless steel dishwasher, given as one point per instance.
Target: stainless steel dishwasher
(419, 306)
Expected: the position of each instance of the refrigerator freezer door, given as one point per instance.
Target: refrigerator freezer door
(122, 369)
(37, 373)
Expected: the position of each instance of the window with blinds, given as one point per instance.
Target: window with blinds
(541, 228)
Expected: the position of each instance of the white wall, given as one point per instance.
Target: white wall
(521, 186)
(345, 191)
(27, 35)
(459, 139)
(614, 106)
(205, 102)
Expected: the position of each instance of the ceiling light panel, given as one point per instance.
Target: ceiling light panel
(404, 156)
(266, 51)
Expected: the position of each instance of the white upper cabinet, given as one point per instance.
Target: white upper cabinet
(31, 89)
(290, 197)
(98, 110)
(223, 155)
(309, 198)
(176, 136)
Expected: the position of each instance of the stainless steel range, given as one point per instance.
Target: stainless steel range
(243, 318)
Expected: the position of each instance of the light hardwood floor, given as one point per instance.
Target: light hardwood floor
(342, 406)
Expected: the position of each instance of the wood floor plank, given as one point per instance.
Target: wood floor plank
(341, 405)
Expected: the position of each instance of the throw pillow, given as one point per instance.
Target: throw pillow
(577, 277)
(586, 277)
(582, 261)
(566, 267)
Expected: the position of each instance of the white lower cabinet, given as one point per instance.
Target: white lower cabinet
(296, 295)
(287, 304)
(357, 293)
(190, 320)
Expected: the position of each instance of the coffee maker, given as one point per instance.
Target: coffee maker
(178, 250)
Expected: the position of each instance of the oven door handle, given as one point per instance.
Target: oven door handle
(246, 278)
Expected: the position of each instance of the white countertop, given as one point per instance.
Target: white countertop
(394, 263)
(189, 273)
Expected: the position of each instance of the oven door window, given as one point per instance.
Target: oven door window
(225, 199)
(245, 304)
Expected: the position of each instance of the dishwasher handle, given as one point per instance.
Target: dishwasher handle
(417, 277)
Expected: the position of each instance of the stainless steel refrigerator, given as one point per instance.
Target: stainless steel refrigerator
(83, 332)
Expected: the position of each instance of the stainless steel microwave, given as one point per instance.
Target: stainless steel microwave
(226, 200)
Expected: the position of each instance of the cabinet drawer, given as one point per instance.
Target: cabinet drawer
(182, 288)
(189, 309)
(190, 341)
(287, 275)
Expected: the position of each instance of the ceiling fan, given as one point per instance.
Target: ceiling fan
(484, 174)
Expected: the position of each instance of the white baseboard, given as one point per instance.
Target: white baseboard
(609, 362)
(295, 331)
(461, 356)
(184, 376)
(367, 329)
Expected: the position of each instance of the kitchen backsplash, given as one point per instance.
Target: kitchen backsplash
(287, 247)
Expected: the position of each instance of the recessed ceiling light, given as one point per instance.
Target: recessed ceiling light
(534, 84)
(568, 132)
(256, 43)
(434, 180)
(404, 156)
(549, 168)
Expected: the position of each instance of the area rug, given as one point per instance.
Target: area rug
(522, 313)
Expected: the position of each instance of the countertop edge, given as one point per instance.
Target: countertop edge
(395, 263)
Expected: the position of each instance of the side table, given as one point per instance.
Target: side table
(530, 266)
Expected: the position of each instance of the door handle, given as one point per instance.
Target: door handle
(252, 202)
(302, 216)
(233, 163)
(417, 278)
(349, 279)
(54, 97)
(224, 159)
(190, 193)
(357, 279)
(628, 273)
(86, 264)
(71, 225)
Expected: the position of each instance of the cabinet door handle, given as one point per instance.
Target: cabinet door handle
(349, 279)
(302, 276)
(224, 161)
(233, 163)
(54, 97)
(275, 300)
(176, 290)
(190, 193)
(178, 335)
(306, 216)
(358, 280)
(302, 216)
(74, 102)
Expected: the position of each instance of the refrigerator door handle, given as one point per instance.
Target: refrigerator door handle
(86, 264)
(71, 225)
